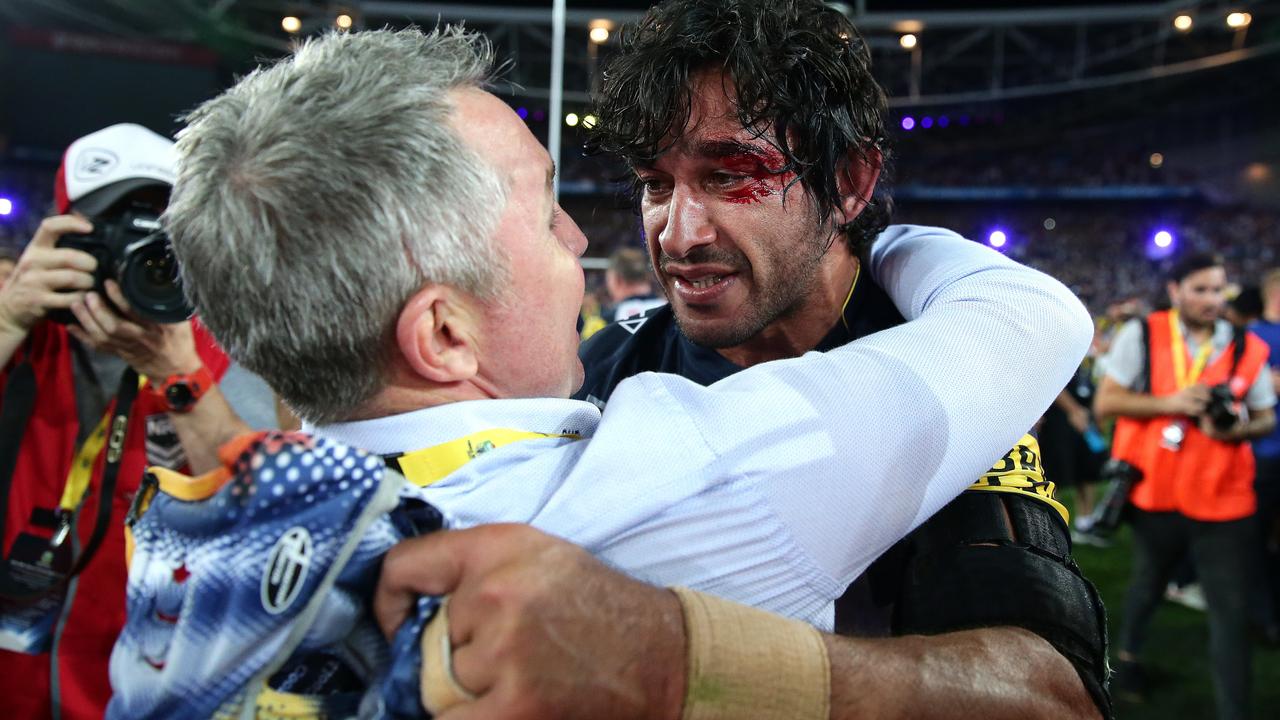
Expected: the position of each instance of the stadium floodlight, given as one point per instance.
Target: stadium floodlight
(908, 41)
(908, 123)
(1239, 20)
(571, 119)
(343, 21)
(1163, 239)
(1183, 23)
(1156, 160)
(291, 24)
(599, 30)
(6, 206)
(589, 122)
(997, 239)
(926, 122)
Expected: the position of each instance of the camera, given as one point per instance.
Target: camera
(1221, 409)
(1120, 477)
(132, 249)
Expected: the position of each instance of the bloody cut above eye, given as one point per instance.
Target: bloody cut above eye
(761, 170)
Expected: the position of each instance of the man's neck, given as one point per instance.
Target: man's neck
(1200, 332)
(803, 329)
(1271, 313)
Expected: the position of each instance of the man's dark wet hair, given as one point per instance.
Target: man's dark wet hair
(1193, 263)
(799, 68)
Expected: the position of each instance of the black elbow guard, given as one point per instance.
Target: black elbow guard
(992, 559)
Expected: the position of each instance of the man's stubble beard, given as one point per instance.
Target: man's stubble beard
(793, 282)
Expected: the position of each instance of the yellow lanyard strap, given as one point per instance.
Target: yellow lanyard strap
(429, 465)
(1180, 354)
(73, 491)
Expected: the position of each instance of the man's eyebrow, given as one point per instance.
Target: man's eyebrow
(728, 147)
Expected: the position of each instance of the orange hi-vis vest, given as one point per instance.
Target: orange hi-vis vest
(1205, 479)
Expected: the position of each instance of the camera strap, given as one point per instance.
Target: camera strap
(19, 585)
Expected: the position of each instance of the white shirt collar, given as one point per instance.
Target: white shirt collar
(434, 425)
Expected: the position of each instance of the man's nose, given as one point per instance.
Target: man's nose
(688, 225)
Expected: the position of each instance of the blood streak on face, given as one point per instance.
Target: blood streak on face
(760, 175)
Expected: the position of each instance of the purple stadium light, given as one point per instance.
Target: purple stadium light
(927, 122)
(997, 239)
(539, 115)
(944, 121)
(6, 206)
(965, 120)
(523, 113)
(1160, 245)
(908, 123)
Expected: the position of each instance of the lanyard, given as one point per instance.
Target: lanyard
(430, 465)
(857, 272)
(1180, 354)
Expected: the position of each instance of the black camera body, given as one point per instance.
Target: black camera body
(133, 250)
(1221, 409)
(1119, 477)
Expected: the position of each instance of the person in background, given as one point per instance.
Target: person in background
(67, 482)
(629, 282)
(1267, 484)
(1189, 392)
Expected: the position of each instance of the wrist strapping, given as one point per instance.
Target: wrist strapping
(744, 662)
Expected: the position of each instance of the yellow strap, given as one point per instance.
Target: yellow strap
(77, 484)
(82, 467)
(430, 465)
(857, 272)
(1019, 471)
(1180, 354)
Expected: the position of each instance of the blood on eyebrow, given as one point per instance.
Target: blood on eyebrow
(762, 166)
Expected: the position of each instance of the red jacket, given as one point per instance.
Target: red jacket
(98, 604)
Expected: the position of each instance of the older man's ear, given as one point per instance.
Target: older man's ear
(436, 334)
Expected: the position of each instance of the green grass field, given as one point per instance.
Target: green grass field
(1177, 652)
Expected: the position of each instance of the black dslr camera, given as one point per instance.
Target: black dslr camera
(132, 250)
(1120, 477)
(1221, 409)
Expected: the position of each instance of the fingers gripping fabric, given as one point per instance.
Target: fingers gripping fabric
(254, 602)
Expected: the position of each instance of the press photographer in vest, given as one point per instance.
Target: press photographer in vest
(101, 375)
(1189, 391)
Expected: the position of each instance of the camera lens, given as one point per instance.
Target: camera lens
(149, 280)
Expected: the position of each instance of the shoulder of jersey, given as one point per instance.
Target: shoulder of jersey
(617, 336)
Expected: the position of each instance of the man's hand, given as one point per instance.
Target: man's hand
(1230, 435)
(1190, 401)
(46, 277)
(540, 629)
(153, 349)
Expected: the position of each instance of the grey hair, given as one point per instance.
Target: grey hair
(316, 196)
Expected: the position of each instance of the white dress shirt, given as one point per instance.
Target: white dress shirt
(778, 486)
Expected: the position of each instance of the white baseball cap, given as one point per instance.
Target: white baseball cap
(101, 168)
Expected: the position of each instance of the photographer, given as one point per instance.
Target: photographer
(101, 376)
(1189, 391)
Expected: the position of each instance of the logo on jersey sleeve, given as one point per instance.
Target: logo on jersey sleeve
(286, 570)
